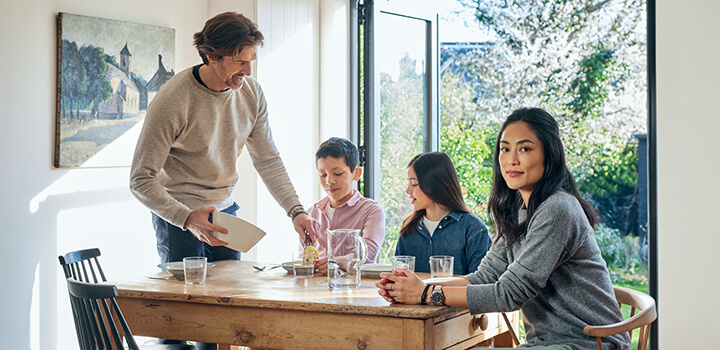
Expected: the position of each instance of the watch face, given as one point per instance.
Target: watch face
(437, 296)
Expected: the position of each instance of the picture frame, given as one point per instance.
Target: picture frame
(108, 73)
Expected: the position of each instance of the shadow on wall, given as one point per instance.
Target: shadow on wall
(75, 212)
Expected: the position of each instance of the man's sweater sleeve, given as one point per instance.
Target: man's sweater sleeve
(153, 147)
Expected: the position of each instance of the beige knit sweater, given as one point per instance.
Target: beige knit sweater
(190, 141)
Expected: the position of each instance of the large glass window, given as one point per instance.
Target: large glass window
(584, 62)
(400, 105)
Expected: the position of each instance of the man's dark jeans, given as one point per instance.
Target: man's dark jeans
(174, 243)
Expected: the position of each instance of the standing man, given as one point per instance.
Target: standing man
(184, 165)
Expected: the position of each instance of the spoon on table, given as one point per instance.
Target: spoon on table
(265, 267)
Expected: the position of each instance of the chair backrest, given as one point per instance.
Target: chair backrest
(77, 264)
(98, 316)
(642, 315)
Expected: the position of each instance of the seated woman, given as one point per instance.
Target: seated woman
(545, 259)
(441, 223)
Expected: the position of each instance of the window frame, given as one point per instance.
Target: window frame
(364, 14)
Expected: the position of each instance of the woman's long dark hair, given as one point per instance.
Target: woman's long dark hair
(438, 180)
(505, 202)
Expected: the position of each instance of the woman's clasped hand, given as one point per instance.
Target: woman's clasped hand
(400, 286)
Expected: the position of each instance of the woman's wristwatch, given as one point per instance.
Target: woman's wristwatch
(437, 297)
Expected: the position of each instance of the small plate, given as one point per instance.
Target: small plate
(288, 266)
(176, 269)
(374, 270)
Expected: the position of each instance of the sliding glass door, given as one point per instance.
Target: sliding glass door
(399, 109)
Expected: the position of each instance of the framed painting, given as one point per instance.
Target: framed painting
(108, 73)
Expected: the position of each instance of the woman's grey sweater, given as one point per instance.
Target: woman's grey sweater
(555, 275)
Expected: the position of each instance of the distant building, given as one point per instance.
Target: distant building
(125, 100)
(159, 79)
(454, 58)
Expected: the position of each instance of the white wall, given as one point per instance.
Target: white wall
(688, 123)
(46, 212)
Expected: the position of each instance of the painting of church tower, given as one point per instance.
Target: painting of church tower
(125, 100)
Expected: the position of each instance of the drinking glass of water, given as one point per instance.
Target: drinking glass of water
(195, 269)
(403, 262)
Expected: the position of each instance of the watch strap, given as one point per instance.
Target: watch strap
(424, 294)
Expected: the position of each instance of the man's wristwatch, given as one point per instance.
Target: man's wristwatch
(437, 297)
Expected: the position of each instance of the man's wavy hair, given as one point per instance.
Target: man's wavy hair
(226, 35)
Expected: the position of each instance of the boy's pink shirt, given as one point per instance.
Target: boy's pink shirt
(358, 212)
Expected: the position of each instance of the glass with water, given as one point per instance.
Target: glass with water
(195, 269)
(347, 252)
(441, 266)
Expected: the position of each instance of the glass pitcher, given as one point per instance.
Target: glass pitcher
(346, 253)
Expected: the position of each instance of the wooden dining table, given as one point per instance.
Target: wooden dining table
(272, 309)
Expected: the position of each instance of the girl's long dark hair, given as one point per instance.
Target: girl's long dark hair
(438, 180)
(505, 202)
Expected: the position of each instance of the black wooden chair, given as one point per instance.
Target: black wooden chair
(101, 323)
(77, 264)
(82, 266)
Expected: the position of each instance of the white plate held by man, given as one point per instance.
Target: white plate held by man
(241, 236)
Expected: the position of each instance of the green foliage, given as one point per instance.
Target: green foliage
(589, 87)
(622, 254)
(401, 138)
(469, 142)
(471, 153)
(387, 251)
(608, 180)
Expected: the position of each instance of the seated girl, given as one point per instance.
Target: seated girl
(545, 260)
(441, 223)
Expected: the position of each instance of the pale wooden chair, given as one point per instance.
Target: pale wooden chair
(642, 315)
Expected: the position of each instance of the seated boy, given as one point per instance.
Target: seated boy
(337, 161)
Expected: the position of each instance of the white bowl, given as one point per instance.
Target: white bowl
(177, 269)
(374, 270)
(288, 266)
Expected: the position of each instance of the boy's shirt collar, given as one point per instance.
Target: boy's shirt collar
(351, 202)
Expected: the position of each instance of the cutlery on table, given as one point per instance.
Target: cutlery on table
(265, 267)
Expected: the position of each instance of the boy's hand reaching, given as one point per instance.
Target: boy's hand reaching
(321, 265)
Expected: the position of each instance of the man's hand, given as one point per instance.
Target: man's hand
(303, 222)
(199, 225)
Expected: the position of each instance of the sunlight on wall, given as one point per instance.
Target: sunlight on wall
(76, 181)
(334, 73)
(35, 312)
(87, 208)
(287, 70)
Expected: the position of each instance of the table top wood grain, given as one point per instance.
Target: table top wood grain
(237, 283)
